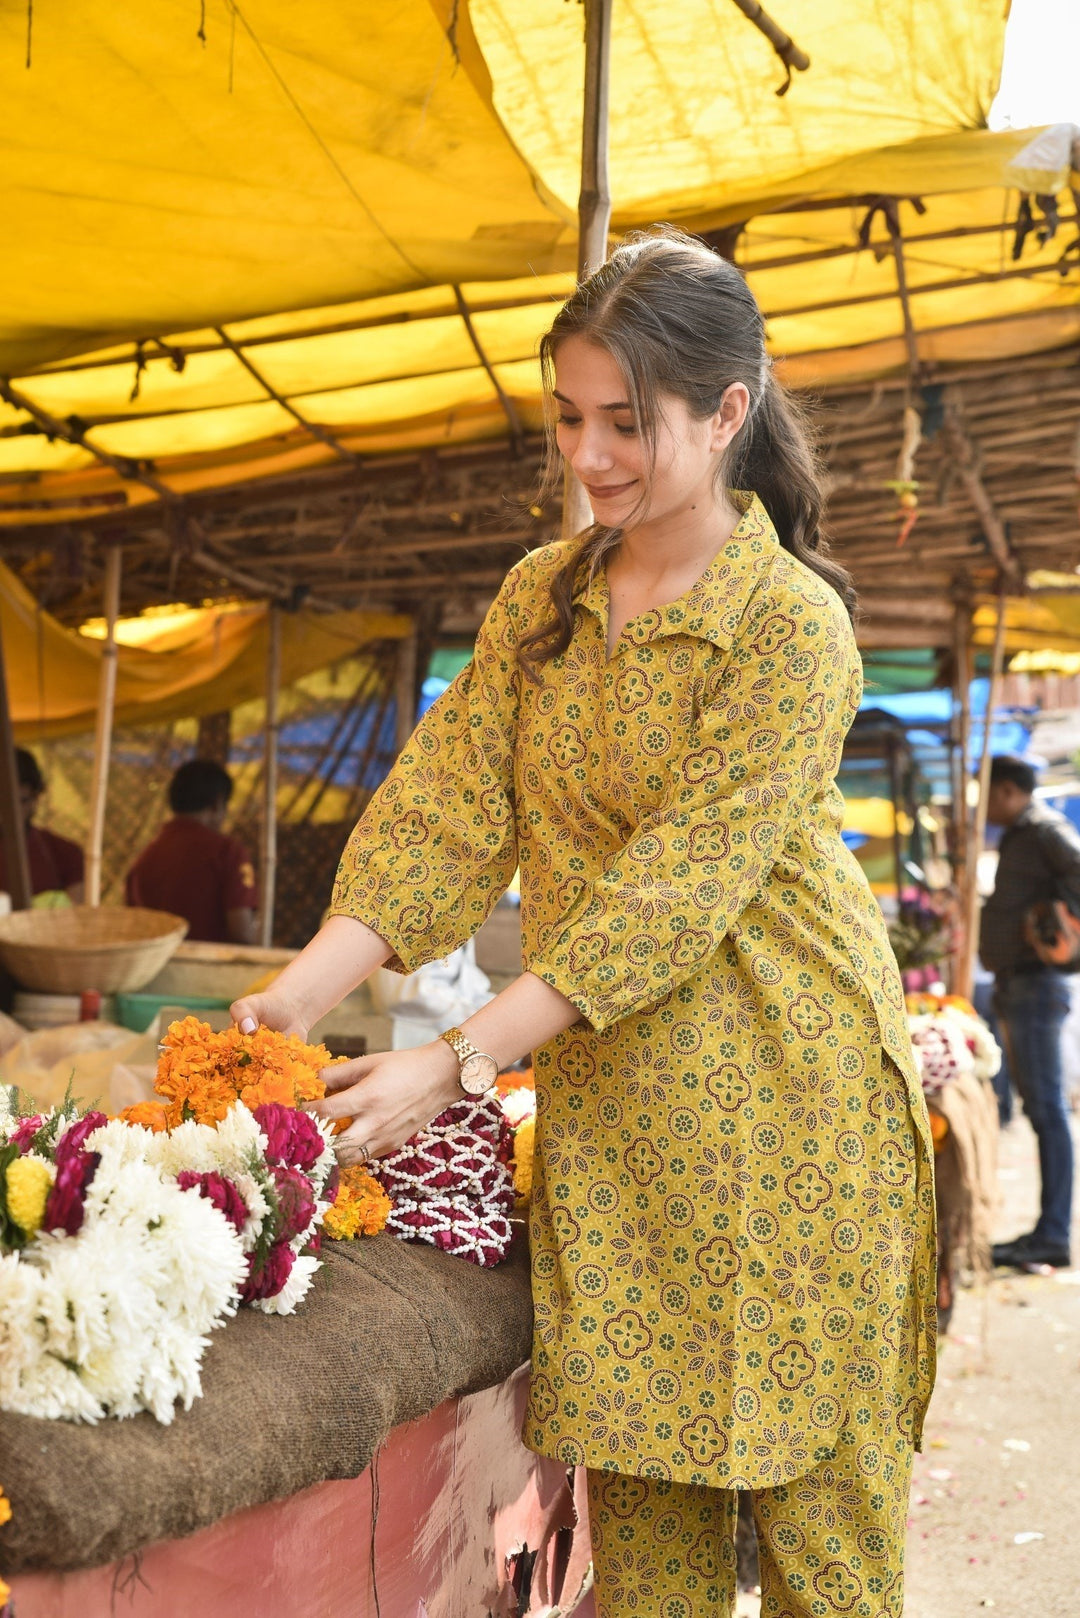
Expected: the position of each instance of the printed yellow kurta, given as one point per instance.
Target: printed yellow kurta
(732, 1216)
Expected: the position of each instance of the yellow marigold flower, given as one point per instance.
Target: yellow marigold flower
(5, 1508)
(524, 1140)
(29, 1182)
(361, 1207)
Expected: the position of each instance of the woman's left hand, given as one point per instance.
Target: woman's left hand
(389, 1095)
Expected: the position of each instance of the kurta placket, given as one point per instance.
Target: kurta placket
(732, 1217)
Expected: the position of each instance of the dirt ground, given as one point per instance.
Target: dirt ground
(994, 1502)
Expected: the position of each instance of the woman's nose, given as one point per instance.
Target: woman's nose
(592, 453)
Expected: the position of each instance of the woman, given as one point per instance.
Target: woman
(732, 1216)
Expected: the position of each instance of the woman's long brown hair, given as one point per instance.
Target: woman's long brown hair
(680, 320)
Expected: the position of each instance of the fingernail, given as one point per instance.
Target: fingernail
(248, 1025)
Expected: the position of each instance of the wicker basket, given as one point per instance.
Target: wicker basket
(66, 951)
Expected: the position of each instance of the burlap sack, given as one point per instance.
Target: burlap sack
(388, 1331)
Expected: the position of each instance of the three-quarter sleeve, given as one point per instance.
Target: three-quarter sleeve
(436, 847)
(767, 742)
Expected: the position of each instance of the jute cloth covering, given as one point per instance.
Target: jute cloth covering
(388, 1331)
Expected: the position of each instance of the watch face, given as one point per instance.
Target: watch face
(478, 1073)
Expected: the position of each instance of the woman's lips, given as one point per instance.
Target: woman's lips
(608, 491)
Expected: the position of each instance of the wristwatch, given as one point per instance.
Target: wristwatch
(477, 1071)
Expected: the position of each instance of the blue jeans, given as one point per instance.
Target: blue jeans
(1032, 1009)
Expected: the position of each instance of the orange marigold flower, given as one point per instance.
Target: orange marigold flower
(202, 1073)
(150, 1114)
(361, 1207)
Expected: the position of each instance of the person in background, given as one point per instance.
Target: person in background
(1039, 859)
(192, 868)
(56, 863)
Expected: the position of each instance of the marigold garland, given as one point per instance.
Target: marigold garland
(361, 1207)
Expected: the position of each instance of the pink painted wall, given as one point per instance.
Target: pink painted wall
(458, 1497)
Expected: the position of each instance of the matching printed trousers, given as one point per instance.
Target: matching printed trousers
(830, 1542)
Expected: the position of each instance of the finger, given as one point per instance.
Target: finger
(343, 1074)
(354, 1146)
(245, 1013)
(342, 1104)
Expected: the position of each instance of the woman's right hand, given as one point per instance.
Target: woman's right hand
(272, 1010)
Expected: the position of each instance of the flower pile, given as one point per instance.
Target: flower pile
(950, 1039)
(201, 1074)
(124, 1242)
(111, 1275)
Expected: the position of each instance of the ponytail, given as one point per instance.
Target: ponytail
(774, 457)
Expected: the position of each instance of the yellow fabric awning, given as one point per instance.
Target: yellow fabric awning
(216, 662)
(315, 191)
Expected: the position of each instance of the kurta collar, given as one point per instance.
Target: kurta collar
(712, 608)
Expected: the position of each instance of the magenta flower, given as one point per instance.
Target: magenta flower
(24, 1132)
(292, 1137)
(74, 1137)
(220, 1191)
(266, 1280)
(296, 1202)
(65, 1207)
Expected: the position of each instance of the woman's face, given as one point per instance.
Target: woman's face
(599, 437)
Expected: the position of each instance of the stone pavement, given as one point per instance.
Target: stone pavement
(996, 1493)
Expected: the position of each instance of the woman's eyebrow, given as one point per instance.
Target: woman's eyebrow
(622, 404)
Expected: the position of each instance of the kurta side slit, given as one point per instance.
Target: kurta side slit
(732, 1223)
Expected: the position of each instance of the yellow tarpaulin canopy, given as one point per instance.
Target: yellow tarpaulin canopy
(375, 172)
(214, 661)
(1047, 622)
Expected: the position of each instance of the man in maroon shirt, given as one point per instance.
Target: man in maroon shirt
(192, 868)
(56, 863)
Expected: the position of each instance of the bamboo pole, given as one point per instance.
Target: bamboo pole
(268, 858)
(960, 735)
(971, 932)
(594, 202)
(99, 784)
(12, 821)
(405, 688)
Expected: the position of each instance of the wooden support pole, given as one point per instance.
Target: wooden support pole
(960, 739)
(594, 201)
(268, 852)
(783, 44)
(405, 688)
(968, 461)
(99, 783)
(895, 790)
(12, 822)
(971, 930)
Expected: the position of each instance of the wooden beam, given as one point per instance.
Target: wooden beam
(968, 461)
(12, 816)
(517, 437)
(971, 933)
(99, 784)
(73, 433)
(594, 202)
(311, 427)
(783, 44)
(268, 852)
(405, 688)
(960, 738)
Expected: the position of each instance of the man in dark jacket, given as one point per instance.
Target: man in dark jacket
(1039, 859)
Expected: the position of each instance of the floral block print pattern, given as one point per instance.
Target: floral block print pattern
(732, 1215)
(833, 1542)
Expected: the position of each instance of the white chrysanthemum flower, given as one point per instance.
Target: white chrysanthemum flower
(296, 1287)
(239, 1135)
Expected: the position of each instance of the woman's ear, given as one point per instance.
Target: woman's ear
(729, 419)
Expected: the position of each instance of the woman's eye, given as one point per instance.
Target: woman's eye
(627, 432)
(568, 421)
